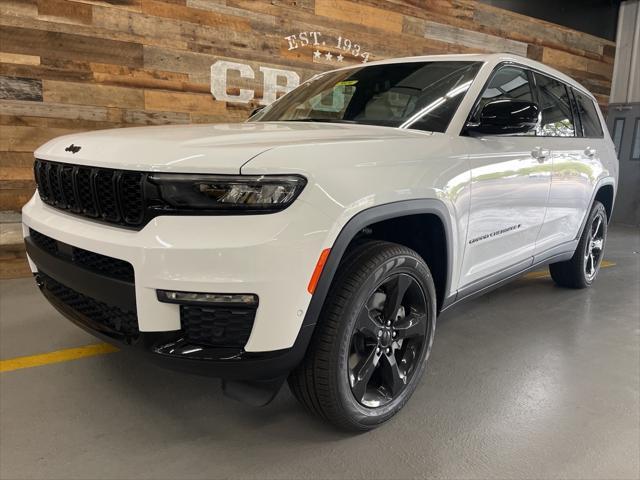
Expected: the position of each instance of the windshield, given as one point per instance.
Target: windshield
(419, 95)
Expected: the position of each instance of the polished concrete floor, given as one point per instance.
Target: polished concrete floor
(529, 381)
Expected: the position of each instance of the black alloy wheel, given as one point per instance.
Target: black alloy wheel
(581, 270)
(594, 246)
(387, 338)
(371, 344)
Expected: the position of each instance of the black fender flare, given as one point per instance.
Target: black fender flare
(606, 181)
(360, 221)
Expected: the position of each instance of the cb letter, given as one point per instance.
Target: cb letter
(271, 87)
(219, 81)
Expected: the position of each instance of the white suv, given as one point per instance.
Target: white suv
(320, 240)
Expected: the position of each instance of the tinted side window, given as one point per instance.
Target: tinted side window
(590, 121)
(555, 108)
(507, 83)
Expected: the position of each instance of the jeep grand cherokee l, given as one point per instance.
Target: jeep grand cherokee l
(319, 240)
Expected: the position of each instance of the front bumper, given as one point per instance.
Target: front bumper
(271, 256)
(171, 350)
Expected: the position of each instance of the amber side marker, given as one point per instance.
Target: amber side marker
(55, 357)
(313, 283)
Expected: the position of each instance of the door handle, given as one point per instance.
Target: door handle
(540, 154)
(590, 152)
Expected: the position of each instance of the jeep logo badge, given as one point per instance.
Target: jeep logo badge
(72, 148)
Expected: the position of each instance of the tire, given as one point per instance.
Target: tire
(352, 332)
(581, 270)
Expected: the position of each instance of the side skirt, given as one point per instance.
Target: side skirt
(557, 254)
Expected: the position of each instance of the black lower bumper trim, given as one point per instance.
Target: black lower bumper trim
(168, 349)
(111, 291)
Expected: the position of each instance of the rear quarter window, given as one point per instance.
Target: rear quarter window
(590, 120)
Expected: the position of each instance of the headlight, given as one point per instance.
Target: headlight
(226, 193)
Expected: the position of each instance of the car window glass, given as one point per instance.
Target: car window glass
(417, 95)
(556, 117)
(618, 129)
(510, 83)
(334, 100)
(590, 121)
(507, 83)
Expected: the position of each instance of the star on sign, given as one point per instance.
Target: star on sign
(317, 54)
(340, 58)
(328, 55)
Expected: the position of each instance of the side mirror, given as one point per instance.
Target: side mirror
(506, 116)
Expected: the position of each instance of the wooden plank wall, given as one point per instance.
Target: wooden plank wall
(76, 65)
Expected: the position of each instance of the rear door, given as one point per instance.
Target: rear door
(570, 185)
(577, 166)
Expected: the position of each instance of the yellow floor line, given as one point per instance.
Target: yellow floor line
(101, 348)
(55, 357)
(545, 273)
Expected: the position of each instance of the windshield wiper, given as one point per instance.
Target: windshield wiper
(321, 120)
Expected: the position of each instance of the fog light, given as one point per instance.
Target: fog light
(237, 299)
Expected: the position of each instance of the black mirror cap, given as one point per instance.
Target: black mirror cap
(506, 116)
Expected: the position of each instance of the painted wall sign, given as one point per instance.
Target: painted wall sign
(343, 45)
(277, 81)
(270, 82)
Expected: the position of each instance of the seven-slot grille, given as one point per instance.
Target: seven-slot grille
(114, 196)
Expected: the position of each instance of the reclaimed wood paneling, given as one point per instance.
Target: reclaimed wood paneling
(19, 59)
(92, 94)
(16, 88)
(63, 11)
(69, 46)
(382, 18)
(470, 38)
(71, 65)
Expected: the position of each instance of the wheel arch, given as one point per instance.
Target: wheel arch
(396, 211)
(605, 190)
(605, 195)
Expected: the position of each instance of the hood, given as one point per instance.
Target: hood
(220, 148)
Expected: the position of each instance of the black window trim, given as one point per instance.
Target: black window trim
(529, 69)
(576, 112)
(636, 128)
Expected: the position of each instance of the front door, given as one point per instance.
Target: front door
(511, 176)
